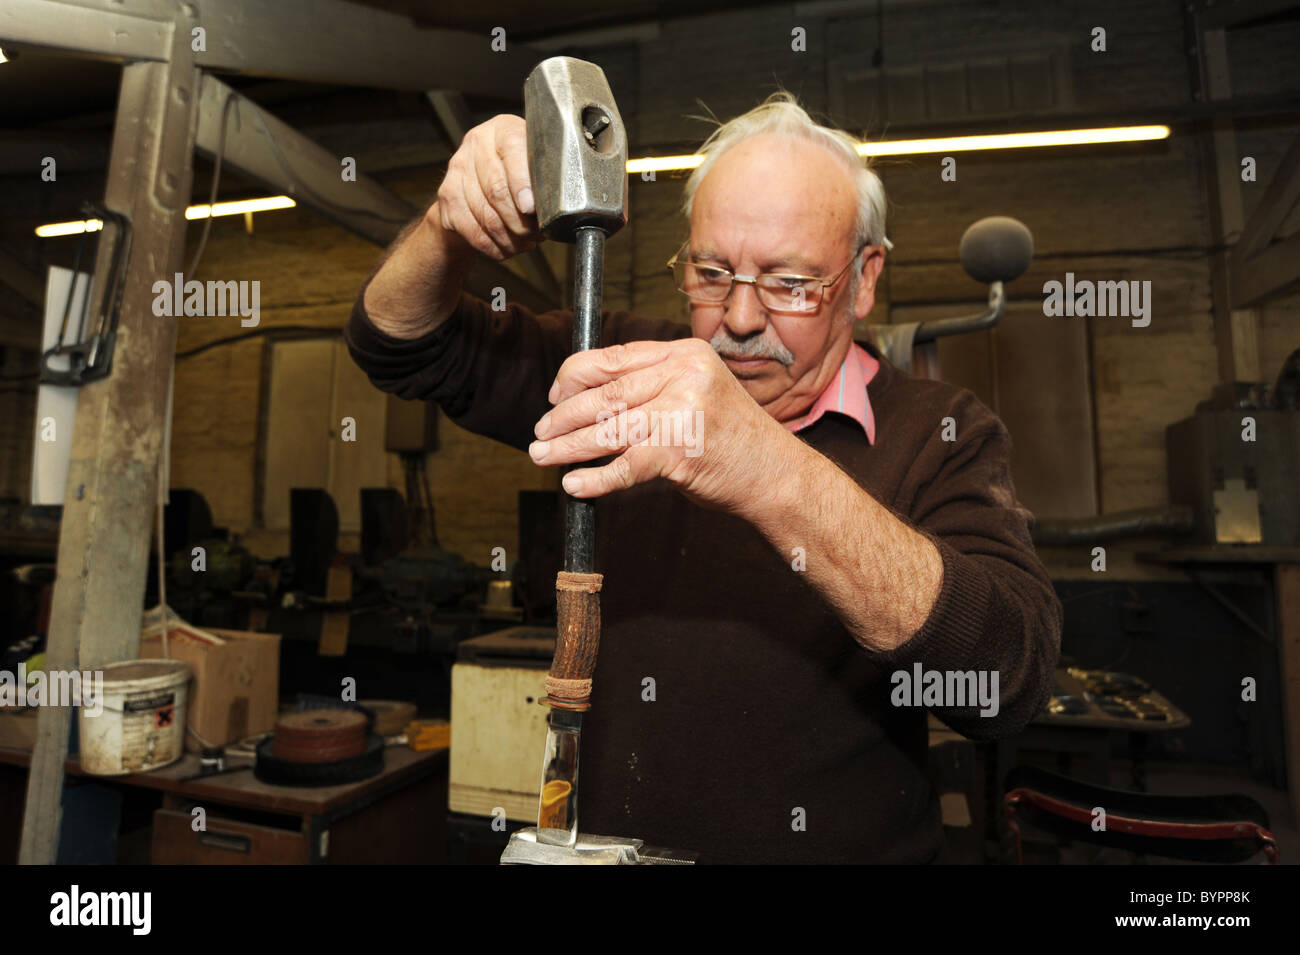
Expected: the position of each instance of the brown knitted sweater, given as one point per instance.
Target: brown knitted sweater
(771, 735)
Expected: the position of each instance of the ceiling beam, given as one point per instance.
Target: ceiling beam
(331, 41)
(273, 153)
(97, 30)
(1274, 206)
(325, 41)
(1258, 269)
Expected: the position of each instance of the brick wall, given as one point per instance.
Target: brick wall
(1133, 212)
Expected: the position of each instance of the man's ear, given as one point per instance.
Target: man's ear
(873, 261)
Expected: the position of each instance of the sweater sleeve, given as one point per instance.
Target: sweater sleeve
(489, 371)
(997, 612)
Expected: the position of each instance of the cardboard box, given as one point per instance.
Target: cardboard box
(236, 687)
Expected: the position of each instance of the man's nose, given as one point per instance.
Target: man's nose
(744, 313)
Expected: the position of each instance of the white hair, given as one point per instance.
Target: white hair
(781, 114)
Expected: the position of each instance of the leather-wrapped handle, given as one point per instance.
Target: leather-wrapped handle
(577, 602)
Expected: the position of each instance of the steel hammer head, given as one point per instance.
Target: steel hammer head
(577, 148)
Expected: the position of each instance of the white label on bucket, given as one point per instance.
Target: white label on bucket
(149, 734)
(154, 701)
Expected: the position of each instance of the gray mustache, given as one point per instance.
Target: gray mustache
(728, 347)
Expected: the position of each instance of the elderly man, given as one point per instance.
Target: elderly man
(829, 549)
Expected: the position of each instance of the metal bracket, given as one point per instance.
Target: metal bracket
(941, 328)
(92, 358)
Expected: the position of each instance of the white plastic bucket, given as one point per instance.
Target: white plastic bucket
(142, 725)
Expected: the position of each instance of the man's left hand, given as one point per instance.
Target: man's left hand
(674, 411)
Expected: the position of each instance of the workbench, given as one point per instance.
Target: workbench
(397, 817)
(1089, 735)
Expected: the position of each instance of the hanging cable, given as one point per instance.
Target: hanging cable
(216, 181)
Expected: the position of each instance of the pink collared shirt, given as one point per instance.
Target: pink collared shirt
(847, 393)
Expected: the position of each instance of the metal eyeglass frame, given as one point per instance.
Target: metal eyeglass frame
(758, 289)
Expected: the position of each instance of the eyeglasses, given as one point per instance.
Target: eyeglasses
(778, 291)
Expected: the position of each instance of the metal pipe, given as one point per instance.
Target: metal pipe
(589, 258)
(929, 331)
(1155, 521)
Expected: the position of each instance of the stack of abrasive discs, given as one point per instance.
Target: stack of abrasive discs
(320, 736)
(320, 747)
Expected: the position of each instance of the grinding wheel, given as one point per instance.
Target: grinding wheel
(280, 772)
(320, 736)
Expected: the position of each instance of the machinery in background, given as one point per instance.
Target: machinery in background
(1233, 517)
(211, 580)
(1233, 470)
(227, 568)
(427, 586)
(416, 577)
(403, 594)
(1236, 462)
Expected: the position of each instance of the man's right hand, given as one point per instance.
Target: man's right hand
(485, 202)
(486, 197)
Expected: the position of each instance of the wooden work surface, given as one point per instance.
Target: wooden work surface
(246, 790)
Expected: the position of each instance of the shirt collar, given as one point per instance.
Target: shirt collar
(847, 394)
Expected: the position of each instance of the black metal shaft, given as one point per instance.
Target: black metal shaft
(580, 516)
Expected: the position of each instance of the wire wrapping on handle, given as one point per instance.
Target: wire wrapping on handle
(577, 599)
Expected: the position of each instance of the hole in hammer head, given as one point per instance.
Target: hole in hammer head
(598, 129)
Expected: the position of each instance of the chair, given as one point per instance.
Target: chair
(1220, 829)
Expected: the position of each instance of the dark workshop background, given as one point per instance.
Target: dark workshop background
(1087, 400)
